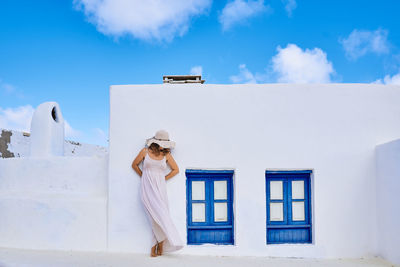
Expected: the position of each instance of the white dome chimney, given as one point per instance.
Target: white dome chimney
(47, 131)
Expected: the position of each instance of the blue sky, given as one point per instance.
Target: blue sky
(72, 51)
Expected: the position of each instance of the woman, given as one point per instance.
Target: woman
(154, 191)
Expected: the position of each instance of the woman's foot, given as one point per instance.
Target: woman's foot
(153, 252)
(160, 248)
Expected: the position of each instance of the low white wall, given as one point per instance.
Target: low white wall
(19, 144)
(332, 129)
(54, 203)
(388, 200)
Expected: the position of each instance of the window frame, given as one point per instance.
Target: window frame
(287, 176)
(209, 176)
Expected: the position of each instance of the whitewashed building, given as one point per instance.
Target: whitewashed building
(276, 170)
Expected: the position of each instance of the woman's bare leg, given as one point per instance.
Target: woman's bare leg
(160, 248)
(153, 252)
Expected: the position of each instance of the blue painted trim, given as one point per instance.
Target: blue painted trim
(274, 243)
(211, 227)
(197, 171)
(288, 224)
(217, 243)
(290, 201)
(284, 201)
(287, 172)
(209, 176)
(310, 209)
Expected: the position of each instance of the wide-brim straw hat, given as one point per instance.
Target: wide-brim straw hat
(162, 139)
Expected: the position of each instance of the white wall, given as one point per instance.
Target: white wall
(19, 145)
(332, 129)
(388, 204)
(54, 203)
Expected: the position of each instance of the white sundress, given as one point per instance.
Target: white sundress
(155, 201)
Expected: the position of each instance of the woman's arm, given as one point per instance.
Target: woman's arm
(137, 160)
(172, 164)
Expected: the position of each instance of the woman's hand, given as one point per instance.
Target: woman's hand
(137, 160)
(172, 164)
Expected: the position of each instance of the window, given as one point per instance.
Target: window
(288, 207)
(209, 206)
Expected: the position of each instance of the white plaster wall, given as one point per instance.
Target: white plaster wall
(54, 203)
(332, 129)
(76, 149)
(388, 204)
(20, 144)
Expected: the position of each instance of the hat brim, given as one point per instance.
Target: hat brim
(163, 144)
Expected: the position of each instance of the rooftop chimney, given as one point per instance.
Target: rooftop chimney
(182, 79)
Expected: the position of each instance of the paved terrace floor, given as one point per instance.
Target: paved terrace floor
(35, 258)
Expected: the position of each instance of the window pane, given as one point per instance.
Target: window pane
(220, 212)
(297, 189)
(198, 190)
(276, 190)
(198, 212)
(220, 190)
(276, 211)
(298, 211)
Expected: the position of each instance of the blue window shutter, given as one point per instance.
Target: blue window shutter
(289, 230)
(210, 231)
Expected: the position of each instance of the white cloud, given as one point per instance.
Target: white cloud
(362, 42)
(290, 5)
(294, 65)
(18, 118)
(244, 76)
(196, 70)
(238, 11)
(291, 65)
(147, 20)
(395, 79)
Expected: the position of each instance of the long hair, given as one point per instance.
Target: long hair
(156, 149)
